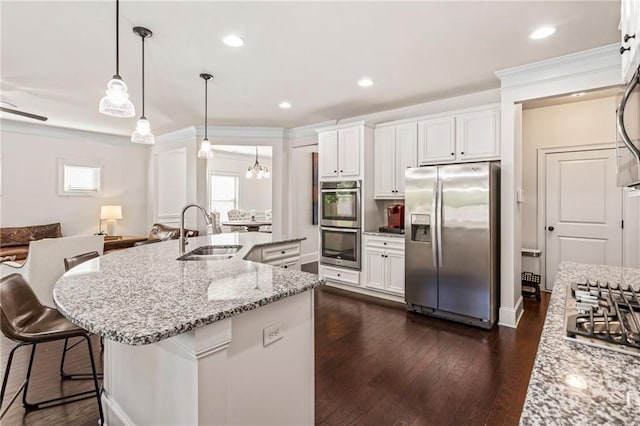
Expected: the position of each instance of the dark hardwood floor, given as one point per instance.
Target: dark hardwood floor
(376, 364)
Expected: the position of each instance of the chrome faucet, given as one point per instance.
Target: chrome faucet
(183, 236)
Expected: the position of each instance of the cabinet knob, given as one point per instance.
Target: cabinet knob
(384, 244)
(462, 153)
(283, 252)
(335, 171)
(453, 154)
(628, 37)
(551, 228)
(285, 266)
(341, 171)
(338, 274)
(624, 49)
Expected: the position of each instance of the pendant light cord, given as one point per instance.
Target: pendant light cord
(143, 116)
(206, 98)
(117, 39)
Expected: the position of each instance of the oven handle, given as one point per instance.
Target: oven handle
(620, 115)
(352, 230)
(340, 190)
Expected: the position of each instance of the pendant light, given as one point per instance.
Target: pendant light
(116, 103)
(257, 170)
(143, 134)
(205, 147)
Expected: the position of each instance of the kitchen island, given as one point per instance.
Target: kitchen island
(198, 341)
(574, 383)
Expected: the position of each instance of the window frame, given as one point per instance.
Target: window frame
(225, 174)
(92, 163)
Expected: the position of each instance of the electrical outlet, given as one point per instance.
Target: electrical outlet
(271, 334)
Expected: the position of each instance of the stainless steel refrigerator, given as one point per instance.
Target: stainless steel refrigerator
(452, 220)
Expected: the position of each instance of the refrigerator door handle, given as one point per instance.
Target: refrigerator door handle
(434, 221)
(439, 221)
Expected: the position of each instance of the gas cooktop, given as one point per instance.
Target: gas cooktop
(603, 315)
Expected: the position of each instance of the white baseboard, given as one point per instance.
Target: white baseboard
(113, 413)
(366, 292)
(510, 317)
(308, 257)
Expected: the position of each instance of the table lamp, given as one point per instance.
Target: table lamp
(110, 214)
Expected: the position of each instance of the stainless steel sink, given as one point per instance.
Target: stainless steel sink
(211, 253)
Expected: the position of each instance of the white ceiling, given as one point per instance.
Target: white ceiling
(58, 56)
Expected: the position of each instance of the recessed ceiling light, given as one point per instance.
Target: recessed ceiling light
(576, 95)
(542, 32)
(365, 82)
(284, 105)
(233, 40)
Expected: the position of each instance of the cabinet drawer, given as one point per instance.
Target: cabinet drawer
(340, 275)
(394, 243)
(280, 251)
(286, 263)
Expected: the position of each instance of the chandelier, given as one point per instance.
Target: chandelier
(257, 170)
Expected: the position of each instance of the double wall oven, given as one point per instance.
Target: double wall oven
(340, 223)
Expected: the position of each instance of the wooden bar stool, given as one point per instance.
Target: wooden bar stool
(26, 321)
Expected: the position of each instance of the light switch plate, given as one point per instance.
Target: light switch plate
(272, 334)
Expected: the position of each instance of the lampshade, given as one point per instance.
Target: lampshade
(110, 212)
(116, 103)
(143, 134)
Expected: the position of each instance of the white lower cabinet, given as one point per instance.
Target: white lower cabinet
(340, 275)
(285, 256)
(384, 264)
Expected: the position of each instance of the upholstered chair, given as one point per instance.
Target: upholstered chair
(215, 226)
(237, 214)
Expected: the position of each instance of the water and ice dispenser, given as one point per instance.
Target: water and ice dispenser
(421, 228)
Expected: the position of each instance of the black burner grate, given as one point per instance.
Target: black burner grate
(606, 313)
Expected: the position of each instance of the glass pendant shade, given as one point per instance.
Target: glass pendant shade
(116, 103)
(143, 134)
(205, 149)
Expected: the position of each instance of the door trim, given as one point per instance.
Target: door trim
(542, 197)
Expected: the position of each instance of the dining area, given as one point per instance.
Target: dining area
(247, 221)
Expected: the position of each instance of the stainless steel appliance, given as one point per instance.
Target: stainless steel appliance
(452, 234)
(628, 133)
(604, 316)
(340, 246)
(340, 204)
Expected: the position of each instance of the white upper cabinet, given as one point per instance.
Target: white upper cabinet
(437, 140)
(466, 136)
(384, 142)
(340, 153)
(395, 150)
(478, 135)
(349, 148)
(328, 154)
(406, 153)
(629, 37)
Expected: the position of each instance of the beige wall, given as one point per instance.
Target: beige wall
(579, 123)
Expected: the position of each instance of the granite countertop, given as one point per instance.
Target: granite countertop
(143, 294)
(610, 380)
(383, 234)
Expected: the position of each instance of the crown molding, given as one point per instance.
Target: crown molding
(308, 130)
(580, 63)
(177, 135)
(35, 129)
(342, 125)
(241, 132)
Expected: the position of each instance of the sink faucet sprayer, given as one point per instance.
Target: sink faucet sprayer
(183, 237)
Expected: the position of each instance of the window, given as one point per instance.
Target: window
(223, 193)
(79, 177)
